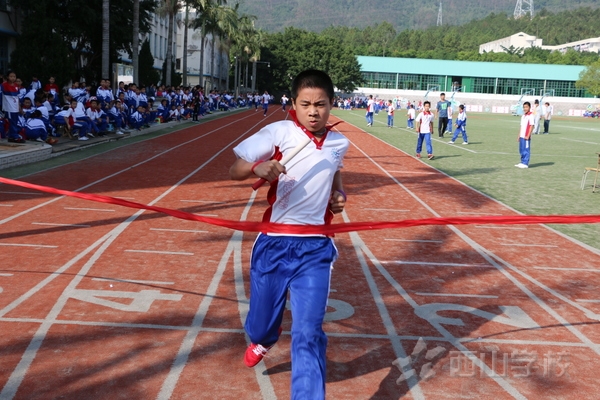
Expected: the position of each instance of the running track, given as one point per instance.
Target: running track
(103, 302)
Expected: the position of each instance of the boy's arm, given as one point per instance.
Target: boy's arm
(338, 196)
(242, 169)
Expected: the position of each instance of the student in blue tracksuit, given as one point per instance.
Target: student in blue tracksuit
(461, 126)
(300, 264)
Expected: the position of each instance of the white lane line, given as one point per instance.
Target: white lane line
(477, 296)
(6, 205)
(133, 281)
(388, 323)
(476, 213)
(385, 209)
(414, 172)
(579, 141)
(526, 245)
(587, 301)
(260, 371)
(414, 240)
(436, 264)
(28, 245)
(24, 193)
(174, 253)
(516, 228)
(18, 374)
(203, 201)
(207, 215)
(51, 224)
(177, 230)
(568, 269)
(88, 209)
(3, 274)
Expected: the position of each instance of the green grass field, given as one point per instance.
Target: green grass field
(551, 185)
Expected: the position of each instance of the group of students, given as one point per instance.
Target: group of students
(35, 112)
(424, 122)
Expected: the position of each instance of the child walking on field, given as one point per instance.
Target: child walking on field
(307, 191)
(424, 129)
(461, 126)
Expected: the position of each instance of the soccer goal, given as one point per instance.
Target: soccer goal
(546, 93)
(431, 88)
(517, 109)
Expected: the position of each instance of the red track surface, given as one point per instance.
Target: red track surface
(101, 302)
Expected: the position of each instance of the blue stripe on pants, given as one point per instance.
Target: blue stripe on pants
(302, 265)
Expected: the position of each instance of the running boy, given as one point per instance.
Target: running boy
(527, 123)
(424, 129)
(306, 191)
(461, 125)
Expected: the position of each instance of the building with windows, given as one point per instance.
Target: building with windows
(10, 23)
(524, 41)
(215, 69)
(470, 76)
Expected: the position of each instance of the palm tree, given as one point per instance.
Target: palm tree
(105, 37)
(169, 8)
(135, 44)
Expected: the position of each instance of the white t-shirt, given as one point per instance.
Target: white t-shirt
(266, 98)
(370, 105)
(425, 117)
(527, 120)
(302, 195)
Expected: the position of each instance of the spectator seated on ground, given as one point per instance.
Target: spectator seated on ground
(61, 120)
(174, 114)
(162, 111)
(116, 116)
(138, 119)
(187, 111)
(223, 106)
(36, 130)
(27, 108)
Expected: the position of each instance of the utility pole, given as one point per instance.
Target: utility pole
(523, 8)
(439, 20)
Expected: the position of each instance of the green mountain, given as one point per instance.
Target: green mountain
(316, 15)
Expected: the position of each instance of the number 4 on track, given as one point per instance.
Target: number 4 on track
(140, 301)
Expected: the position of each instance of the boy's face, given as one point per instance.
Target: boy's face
(312, 107)
(426, 106)
(526, 108)
(12, 77)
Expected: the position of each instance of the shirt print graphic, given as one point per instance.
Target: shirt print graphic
(286, 183)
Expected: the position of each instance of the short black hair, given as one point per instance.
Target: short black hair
(528, 103)
(427, 102)
(312, 78)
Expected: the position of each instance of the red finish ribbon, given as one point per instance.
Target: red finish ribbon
(250, 226)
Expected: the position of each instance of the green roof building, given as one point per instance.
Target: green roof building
(471, 76)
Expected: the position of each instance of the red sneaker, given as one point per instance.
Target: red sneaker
(418, 155)
(430, 156)
(256, 352)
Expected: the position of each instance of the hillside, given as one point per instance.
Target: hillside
(316, 15)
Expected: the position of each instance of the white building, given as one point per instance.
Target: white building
(518, 40)
(215, 70)
(525, 41)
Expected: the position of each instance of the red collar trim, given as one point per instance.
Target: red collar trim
(313, 138)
